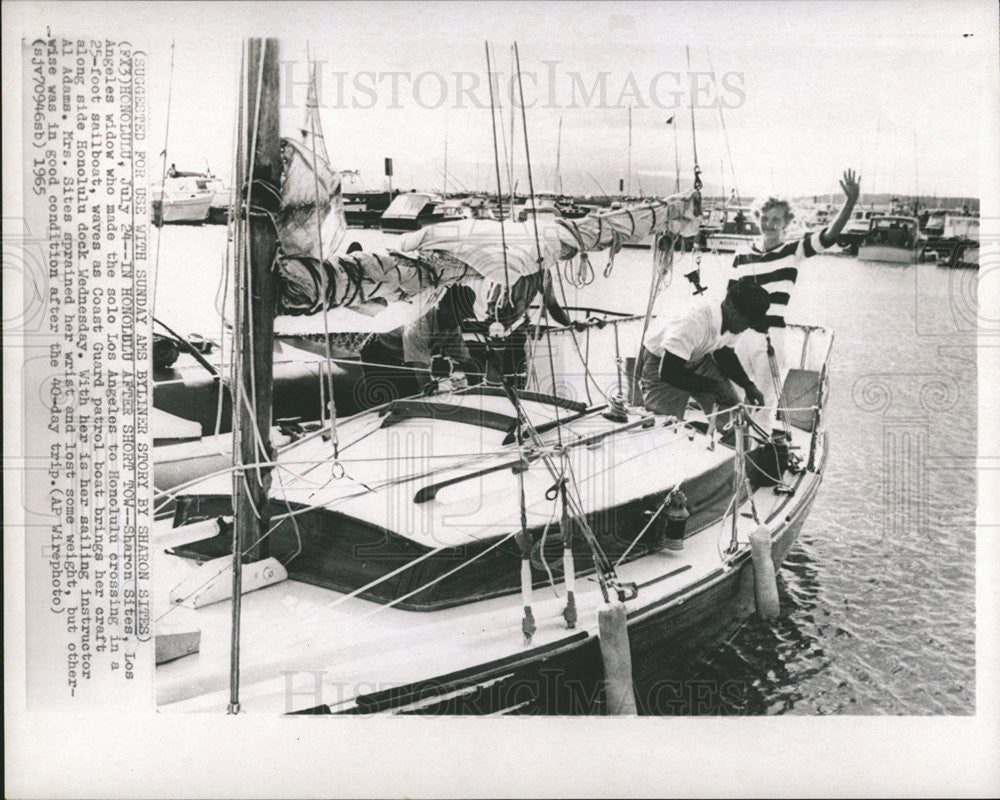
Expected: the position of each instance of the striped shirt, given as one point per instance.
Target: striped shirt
(777, 270)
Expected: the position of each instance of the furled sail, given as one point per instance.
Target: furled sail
(467, 251)
(311, 221)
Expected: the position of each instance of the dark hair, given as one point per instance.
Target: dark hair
(751, 299)
(353, 247)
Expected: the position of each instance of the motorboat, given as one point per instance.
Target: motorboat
(183, 199)
(893, 239)
(542, 208)
(952, 239)
(738, 233)
(414, 210)
(857, 228)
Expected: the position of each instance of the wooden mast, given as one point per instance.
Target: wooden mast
(260, 152)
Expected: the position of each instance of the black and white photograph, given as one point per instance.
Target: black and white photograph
(501, 399)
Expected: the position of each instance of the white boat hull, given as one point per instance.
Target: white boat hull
(887, 254)
(730, 243)
(188, 209)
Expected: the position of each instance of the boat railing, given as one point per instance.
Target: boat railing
(815, 359)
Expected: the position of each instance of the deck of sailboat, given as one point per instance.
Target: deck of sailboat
(305, 645)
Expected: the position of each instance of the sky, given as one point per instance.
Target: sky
(895, 90)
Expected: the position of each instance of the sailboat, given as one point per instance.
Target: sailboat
(474, 550)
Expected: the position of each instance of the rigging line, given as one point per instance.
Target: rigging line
(541, 547)
(576, 345)
(507, 162)
(600, 558)
(385, 606)
(731, 506)
(496, 161)
(235, 366)
(577, 508)
(394, 367)
(231, 219)
(725, 134)
(466, 460)
(222, 292)
(163, 177)
(223, 386)
(652, 519)
(694, 138)
(653, 291)
(878, 149)
(312, 104)
(472, 460)
(230, 259)
(534, 217)
(278, 519)
(513, 142)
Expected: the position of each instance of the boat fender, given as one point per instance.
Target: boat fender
(764, 577)
(612, 623)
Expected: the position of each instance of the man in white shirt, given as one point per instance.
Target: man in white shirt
(691, 353)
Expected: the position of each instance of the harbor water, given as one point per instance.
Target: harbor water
(878, 595)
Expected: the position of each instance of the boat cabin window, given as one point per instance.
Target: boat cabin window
(893, 223)
(892, 231)
(740, 224)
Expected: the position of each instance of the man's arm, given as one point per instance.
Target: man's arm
(555, 310)
(731, 367)
(851, 184)
(673, 370)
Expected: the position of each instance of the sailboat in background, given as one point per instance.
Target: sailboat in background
(445, 553)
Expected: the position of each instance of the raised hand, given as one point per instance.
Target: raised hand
(851, 185)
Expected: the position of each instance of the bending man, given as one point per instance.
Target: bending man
(691, 354)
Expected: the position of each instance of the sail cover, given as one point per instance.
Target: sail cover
(474, 252)
(311, 221)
